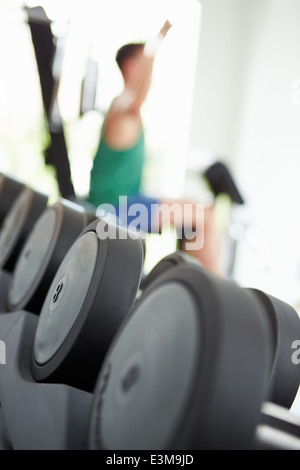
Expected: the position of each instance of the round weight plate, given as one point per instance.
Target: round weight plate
(17, 225)
(32, 260)
(187, 369)
(66, 303)
(53, 234)
(284, 325)
(91, 293)
(10, 188)
(5, 280)
(168, 262)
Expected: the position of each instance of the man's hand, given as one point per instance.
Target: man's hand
(153, 44)
(164, 30)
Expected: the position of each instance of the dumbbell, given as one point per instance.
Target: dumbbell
(165, 264)
(55, 401)
(134, 369)
(17, 225)
(36, 416)
(134, 386)
(10, 188)
(56, 417)
(168, 262)
(90, 295)
(5, 281)
(44, 250)
(188, 369)
(284, 324)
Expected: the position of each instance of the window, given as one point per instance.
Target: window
(97, 28)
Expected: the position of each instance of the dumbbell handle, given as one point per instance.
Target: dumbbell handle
(268, 438)
(278, 430)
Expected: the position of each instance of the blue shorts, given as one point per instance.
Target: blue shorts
(137, 212)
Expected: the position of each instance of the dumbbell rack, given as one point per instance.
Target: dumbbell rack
(180, 361)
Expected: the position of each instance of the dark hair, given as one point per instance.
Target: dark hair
(127, 51)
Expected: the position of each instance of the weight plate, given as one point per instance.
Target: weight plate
(18, 224)
(10, 188)
(36, 416)
(168, 262)
(187, 369)
(52, 236)
(92, 292)
(5, 280)
(284, 325)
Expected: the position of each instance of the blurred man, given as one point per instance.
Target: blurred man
(118, 164)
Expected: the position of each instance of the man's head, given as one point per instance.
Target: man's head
(127, 56)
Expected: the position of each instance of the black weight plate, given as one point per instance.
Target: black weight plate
(10, 188)
(5, 280)
(166, 263)
(92, 292)
(187, 369)
(36, 416)
(284, 325)
(18, 224)
(45, 248)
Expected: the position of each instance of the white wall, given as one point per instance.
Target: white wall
(268, 154)
(228, 37)
(243, 112)
(247, 111)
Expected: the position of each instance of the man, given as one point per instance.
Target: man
(118, 164)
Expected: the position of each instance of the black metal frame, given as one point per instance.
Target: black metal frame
(45, 48)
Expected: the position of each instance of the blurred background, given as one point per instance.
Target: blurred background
(226, 86)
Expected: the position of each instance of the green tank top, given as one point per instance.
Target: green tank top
(116, 172)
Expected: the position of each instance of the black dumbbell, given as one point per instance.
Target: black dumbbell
(36, 416)
(188, 369)
(284, 324)
(17, 225)
(93, 290)
(126, 255)
(165, 264)
(5, 280)
(52, 235)
(10, 188)
(56, 417)
(280, 431)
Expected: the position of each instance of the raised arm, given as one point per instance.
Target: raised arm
(123, 121)
(147, 61)
(136, 92)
